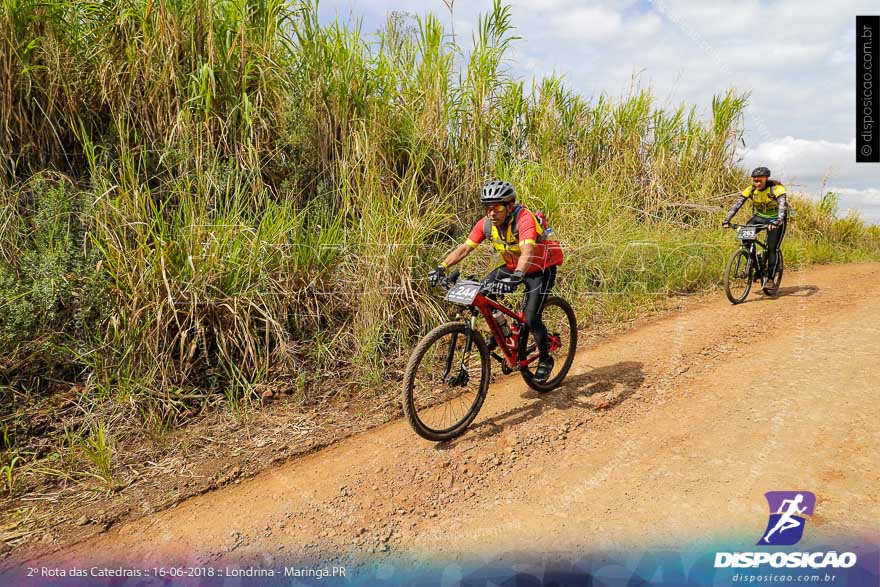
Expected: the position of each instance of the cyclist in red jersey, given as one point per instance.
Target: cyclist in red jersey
(527, 257)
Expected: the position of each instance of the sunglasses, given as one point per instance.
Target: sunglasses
(758, 179)
(499, 208)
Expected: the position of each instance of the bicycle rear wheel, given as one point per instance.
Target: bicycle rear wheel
(446, 382)
(738, 277)
(561, 323)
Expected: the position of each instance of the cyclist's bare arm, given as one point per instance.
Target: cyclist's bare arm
(525, 256)
(462, 251)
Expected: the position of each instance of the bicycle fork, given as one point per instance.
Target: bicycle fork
(751, 257)
(762, 263)
(461, 378)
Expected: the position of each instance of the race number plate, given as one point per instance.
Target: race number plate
(463, 292)
(745, 234)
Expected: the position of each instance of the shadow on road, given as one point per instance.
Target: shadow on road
(798, 291)
(804, 291)
(621, 380)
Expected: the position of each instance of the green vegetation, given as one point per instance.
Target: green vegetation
(98, 449)
(8, 474)
(197, 198)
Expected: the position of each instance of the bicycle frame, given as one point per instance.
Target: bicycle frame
(509, 346)
(750, 248)
(514, 356)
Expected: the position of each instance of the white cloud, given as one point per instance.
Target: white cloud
(799, 158)
(646, 26)
(588, 24)
(795, 59)
(867, 202)
(808, 162)
(814, 167)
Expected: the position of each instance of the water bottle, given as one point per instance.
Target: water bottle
(501, 320)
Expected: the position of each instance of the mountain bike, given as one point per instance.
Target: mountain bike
(448, 373)
(747, 266)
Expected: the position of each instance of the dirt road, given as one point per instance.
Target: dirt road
(668, 433)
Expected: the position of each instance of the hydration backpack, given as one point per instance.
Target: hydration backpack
(546, 234)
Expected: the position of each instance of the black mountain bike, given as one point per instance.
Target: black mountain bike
(748, 265)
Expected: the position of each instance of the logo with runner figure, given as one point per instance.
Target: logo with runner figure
(788, 511)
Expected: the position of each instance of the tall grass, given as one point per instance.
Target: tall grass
(201, 196)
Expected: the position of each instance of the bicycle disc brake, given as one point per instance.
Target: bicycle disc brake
(462, 377)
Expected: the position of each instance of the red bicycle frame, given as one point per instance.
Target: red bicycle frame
(509, 345)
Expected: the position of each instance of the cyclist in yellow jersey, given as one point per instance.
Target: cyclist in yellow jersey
(770, 205)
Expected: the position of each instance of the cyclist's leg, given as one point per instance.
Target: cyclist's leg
(498, 273)
(759, 220)
(782, 230)
(764, 255)
(549, 282)
(538, 287)
(774, 237)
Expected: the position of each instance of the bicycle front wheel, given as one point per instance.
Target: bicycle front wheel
(738, 277)
(446, 381)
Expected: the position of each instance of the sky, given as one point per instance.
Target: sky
(795, 58)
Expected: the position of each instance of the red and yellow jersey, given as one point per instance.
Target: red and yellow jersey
(508, 247)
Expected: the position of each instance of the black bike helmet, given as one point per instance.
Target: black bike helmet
(761, 172)
(497, 192)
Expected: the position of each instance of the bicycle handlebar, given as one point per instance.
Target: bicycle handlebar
(485, 288)
(755, 226)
